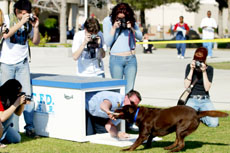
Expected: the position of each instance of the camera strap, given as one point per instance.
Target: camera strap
(1, 43)
(116, 39)
(132, 39)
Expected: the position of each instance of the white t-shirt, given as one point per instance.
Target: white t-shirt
(208, 32)
(85, 65)
(15, 48)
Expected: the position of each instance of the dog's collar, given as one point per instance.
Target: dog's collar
(135, 118)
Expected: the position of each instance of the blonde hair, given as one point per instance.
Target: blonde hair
(1, 17)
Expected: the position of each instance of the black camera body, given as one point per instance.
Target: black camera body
(91, 47)
(198, 64)
(4, 29)
(31, 18)
(27, 97)
(123, 23)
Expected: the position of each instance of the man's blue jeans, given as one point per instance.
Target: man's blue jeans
(180, 47)
(124, 67)
(208, 46)
(21, 72)
(204, 105)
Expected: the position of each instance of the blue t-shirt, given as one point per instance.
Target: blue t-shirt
(94, 103)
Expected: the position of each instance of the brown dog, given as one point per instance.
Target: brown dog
(159, 122)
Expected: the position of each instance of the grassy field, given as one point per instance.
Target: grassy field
(203, 140)
(221, 65)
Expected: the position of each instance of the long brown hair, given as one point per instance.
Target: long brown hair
(1, 18)
(126, 10)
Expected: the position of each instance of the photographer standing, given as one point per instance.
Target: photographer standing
(11, 102)
(120, 32)
(88, 50)
(15, 50)
(199, 98)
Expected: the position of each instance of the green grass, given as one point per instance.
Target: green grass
(203, 140)
(221, 65)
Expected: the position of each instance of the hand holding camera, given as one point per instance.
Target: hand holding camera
(25, 99)
(4, 29)
(198, 65)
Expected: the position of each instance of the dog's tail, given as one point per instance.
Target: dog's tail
(212, 114)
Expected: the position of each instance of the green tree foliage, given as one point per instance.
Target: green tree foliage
(141, 5)
(50, 23)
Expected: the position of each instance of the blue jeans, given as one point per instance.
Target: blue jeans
(208, 46)
(180, 47)
(20, 72)
(9, 133)
(204, 105)
(124, 67)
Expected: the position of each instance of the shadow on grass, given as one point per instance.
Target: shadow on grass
(188, 145)
(25, 138)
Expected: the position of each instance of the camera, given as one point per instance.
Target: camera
(32, 18)
(4, 29)
(198, 64)
(27, 97)
(93, 36)
(123, 23)
(91, 48)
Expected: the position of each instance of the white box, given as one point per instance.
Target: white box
(60, 104)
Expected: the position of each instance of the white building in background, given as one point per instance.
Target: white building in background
(168, 15)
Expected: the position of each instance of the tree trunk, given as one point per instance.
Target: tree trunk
(142, 15)
(63, 22)
(220, 24)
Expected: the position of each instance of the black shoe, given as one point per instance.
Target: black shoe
(31, 134)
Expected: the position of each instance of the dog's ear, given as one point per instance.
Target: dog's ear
(131, 110)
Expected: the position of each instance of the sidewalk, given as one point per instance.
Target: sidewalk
(160, 75)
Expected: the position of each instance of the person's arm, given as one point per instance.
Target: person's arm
(105, 106)
(36, 36)
(186, 28)
(16, 108)
(16, 27)
(206, 82)
(175, 27)
(188, 79)
(137, 31)
(77, 51)
(109, 30)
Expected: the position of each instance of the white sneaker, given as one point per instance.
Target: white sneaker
(157, 139)
(182, 57)
(134, 128)
(178, 56)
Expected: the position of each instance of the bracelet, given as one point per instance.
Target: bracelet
(188, 79)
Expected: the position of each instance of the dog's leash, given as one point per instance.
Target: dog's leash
(135, 118)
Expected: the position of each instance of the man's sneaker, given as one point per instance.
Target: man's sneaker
(134, 128)
(31, 134)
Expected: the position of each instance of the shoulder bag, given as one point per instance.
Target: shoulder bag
(184, 97)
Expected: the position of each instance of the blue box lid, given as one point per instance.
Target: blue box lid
(73, 82)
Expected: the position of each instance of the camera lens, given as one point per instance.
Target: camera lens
(31, 18)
